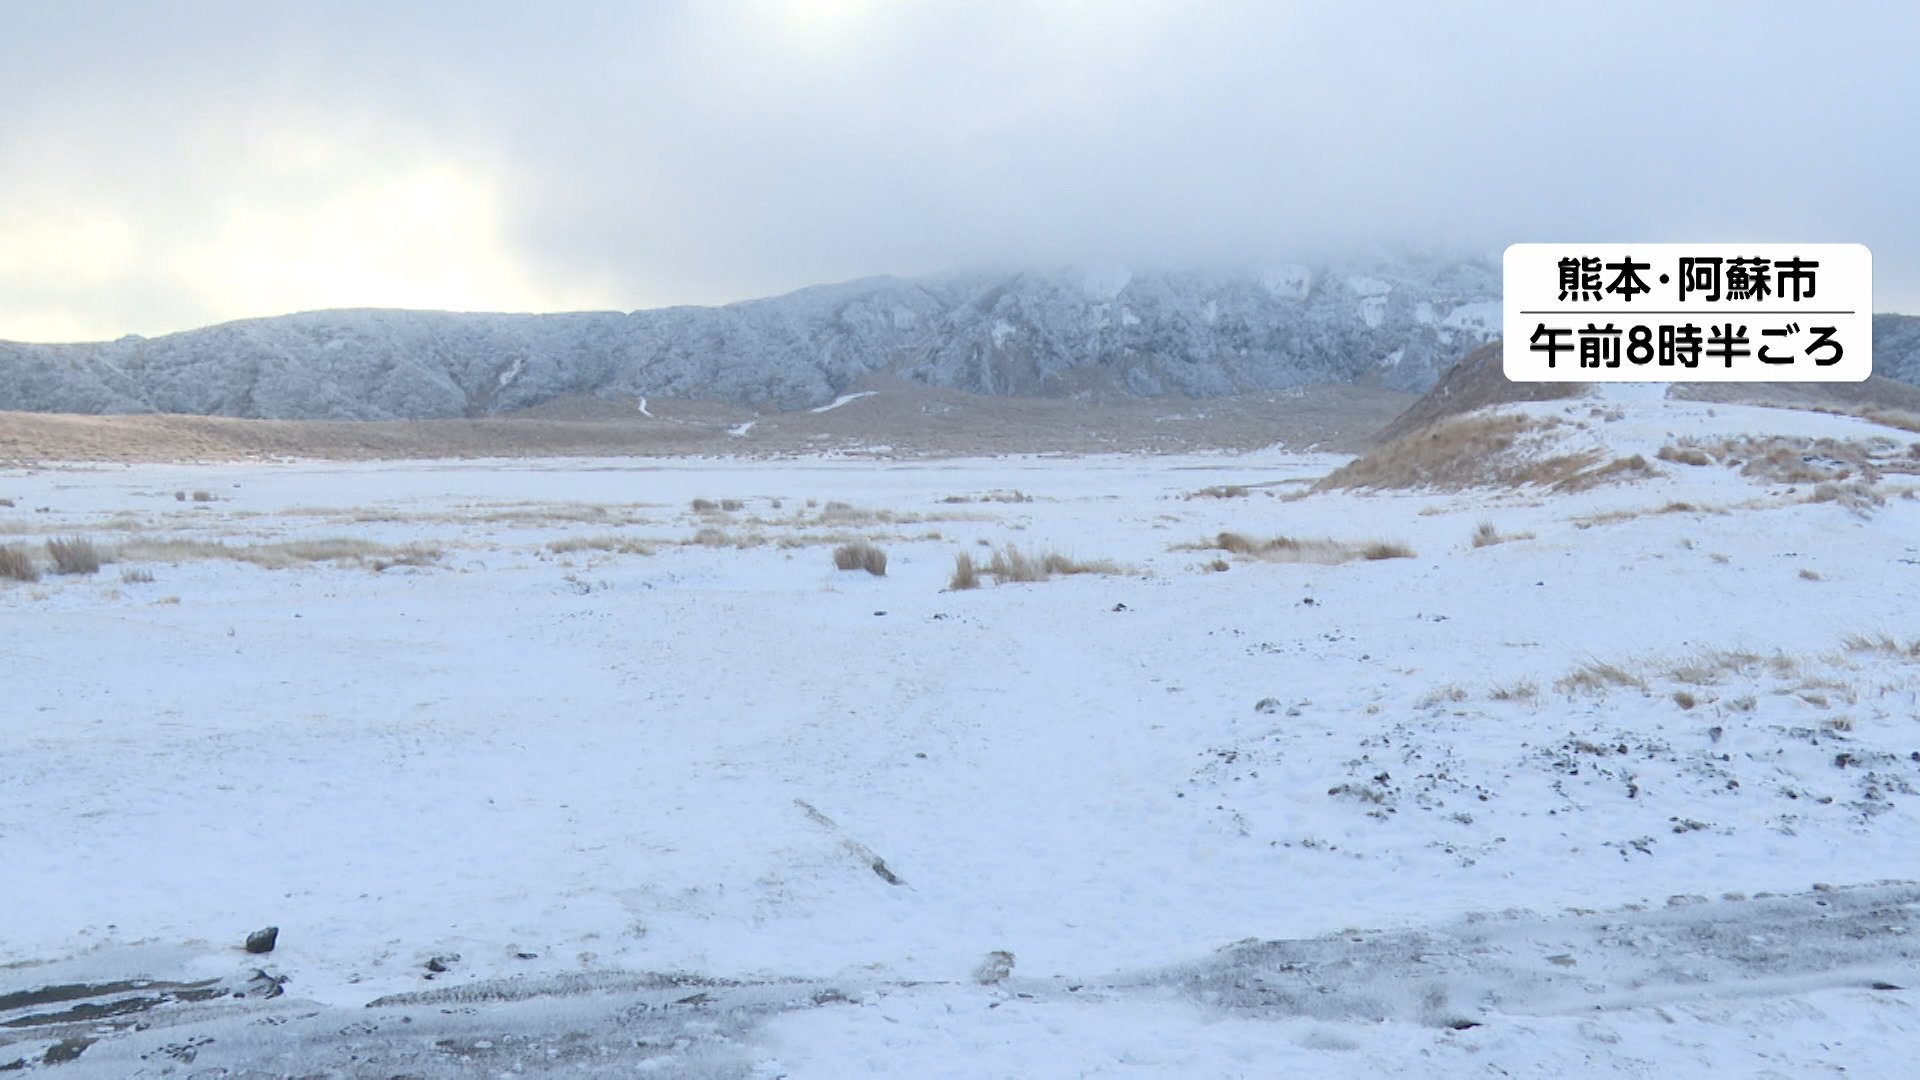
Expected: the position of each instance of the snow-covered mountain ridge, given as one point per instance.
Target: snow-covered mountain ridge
(1086, 329)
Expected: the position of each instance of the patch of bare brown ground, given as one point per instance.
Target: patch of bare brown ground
(1478, 450)
(901, 420)
(1476, 382)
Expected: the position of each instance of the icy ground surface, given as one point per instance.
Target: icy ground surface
(657, 786)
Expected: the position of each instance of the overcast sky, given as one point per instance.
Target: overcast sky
(164, 166)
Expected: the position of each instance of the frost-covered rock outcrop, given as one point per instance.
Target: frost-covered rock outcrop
(1084, 329)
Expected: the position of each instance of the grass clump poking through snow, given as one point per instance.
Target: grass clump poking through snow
(1599, 676)
(284, 555)
(860, 555)
(74, 555)
(1009, 563)
(1289, 549)
(1220, 491)
(1487, 534)
(616, 545)
(1881, 643)
(965, 574)
(1524, 690)
(16, 563)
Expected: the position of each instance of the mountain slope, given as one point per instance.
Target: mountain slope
(1101, 331)
(1097, 331)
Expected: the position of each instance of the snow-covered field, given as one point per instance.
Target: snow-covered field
(1607, 796)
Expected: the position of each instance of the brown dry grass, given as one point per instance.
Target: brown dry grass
(1458, 452)
(16, 563)
(1885, 645)
(861, 555)
(1014, 495)
(1480, 451)
(965, 574)
(1779, 459)
(613, 545)
(1619, 470)
(1524, 690)
(1709, 666)
(1857, 496)
(1292, 550)
(1486, 534)
(1220, 491)
(1009, 563)
(74, 555)
(282, 555)
(1611, 517)
(1905, 421)
(1598, 676)
(1684, 455)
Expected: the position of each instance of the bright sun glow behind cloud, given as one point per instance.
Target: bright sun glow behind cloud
(294, 222)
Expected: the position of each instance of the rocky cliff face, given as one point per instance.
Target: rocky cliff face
(1092, 330)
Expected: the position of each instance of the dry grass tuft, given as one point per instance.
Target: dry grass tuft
(1684, 699)
(1013, 495)
(408, 555)
(965, 574)
(1524, 690)
(614, 545)
(281, 556)
(704, 506)
(1885, 645)
(1289, 549)
(1220, 491)
(1009, 563)
(1611, 517)
(1487, 534)
(16, 563)
(1857, 495)
(1810, 575)
(203, 496)
(1236, 543)
(1684, 455)
(1905, 421)
(1598, 676)
(1710, 666)
(74, 555)
(1452, 692)
(136, 575)
(860, 555)
(1616, 471)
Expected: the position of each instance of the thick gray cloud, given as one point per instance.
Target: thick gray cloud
(170, 165)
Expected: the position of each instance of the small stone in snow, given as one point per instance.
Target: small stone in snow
(263, 941)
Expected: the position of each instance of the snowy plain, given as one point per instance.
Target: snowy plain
(602, 734)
